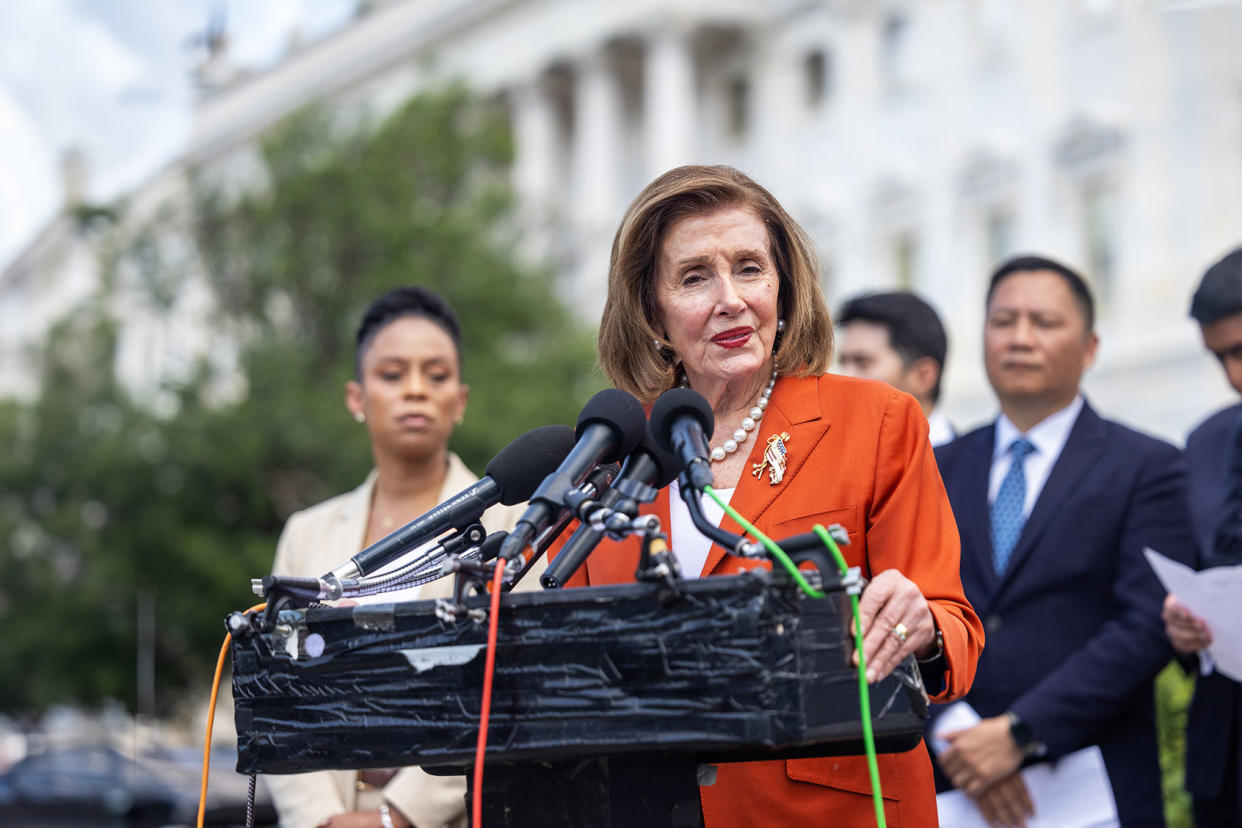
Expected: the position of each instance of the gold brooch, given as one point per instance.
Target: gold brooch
(773, 459)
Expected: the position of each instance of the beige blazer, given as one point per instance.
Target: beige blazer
(315, 541)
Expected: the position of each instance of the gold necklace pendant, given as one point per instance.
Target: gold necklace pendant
(774, 455)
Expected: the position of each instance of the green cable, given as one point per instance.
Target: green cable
(768, 543)
(864, 694)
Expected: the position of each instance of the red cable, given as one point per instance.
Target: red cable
(476, 804)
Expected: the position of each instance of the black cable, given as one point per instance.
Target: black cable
(725, 540)
(254, 778)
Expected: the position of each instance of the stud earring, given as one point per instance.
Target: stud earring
(780, 324)
(359, 417)
(459, 420)
(659, 346)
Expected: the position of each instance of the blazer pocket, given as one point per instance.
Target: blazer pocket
(796, 521)
(847, 773)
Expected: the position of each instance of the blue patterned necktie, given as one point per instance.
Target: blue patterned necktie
(1006, 511)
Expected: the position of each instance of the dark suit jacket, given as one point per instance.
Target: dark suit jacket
(1073, 625)
(1212, 726)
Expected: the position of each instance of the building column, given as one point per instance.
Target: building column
(596, 164)
(597, 141)
(669, 101)
(537, 177)
(535, 147)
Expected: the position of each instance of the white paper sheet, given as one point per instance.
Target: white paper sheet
(1073, 792)
(1213, 595)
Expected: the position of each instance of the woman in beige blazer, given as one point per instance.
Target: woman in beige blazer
(408, 393)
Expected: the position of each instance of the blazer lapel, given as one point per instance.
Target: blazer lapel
(794, 409)
(974, 523)
(1081, 451)
(348, 532)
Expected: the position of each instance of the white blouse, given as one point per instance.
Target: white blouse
(687, 543)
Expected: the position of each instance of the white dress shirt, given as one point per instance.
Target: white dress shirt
(939, 429)
(1048, 436)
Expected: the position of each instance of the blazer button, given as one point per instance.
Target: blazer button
(993, 624)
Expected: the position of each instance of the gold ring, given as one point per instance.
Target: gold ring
(901, 632)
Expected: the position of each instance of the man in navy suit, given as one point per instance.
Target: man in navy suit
(1055, 506)
(1214, 473)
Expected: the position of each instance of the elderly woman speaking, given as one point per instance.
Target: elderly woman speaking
(713, 286)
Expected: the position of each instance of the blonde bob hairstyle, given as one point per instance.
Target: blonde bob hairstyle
(627, 336)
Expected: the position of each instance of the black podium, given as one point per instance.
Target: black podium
(607, 701)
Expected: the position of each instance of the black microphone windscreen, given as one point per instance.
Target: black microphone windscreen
(521, 466)
(620, 411)
(673, 404)
(668, 464)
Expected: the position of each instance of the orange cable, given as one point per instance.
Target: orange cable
(211, 719)
(476, 804)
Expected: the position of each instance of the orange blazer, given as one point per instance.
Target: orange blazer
(858, 455)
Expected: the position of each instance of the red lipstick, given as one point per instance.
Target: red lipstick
(733, 338)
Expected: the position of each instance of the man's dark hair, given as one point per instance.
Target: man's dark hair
(1026, 264)
(914, 329)
(1220, 291)
(401, 302)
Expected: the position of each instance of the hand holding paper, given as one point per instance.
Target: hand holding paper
(1212, 595)
(1186, 631)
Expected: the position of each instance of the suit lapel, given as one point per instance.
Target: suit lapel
(349, 531)
(1082, 449)
(341, 536)
(794, 409)
(973, 520)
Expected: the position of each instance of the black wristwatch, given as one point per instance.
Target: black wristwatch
(1023, 736)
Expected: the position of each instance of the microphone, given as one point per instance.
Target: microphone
(682, 423)
(510, 478)
(610, 425)
(491, 544)
(648, 469)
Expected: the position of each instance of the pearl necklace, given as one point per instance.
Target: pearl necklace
(749, 423)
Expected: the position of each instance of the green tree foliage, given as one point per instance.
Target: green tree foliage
(106, 500)
(1173, 691)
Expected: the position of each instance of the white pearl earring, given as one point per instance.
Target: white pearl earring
(359, 417)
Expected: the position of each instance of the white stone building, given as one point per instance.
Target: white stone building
(918, 142)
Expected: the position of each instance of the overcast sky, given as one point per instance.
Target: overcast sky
(113, 77)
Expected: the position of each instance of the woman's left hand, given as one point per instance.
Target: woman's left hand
(892, 604)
